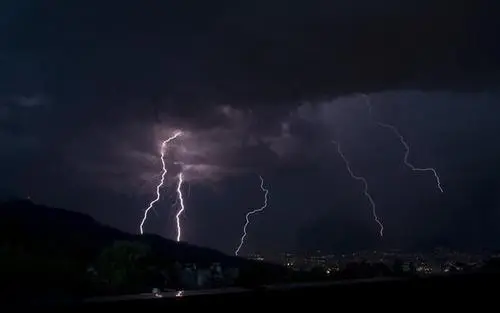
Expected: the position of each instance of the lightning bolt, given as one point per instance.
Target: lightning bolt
(247, 216)
(181, 204)
(164, 145)
(405, 144)
(365, 189)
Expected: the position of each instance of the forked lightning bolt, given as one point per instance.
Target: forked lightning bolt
(365, 188)
(247, 216)
(407, 148)
(181, 205)
(162, 180)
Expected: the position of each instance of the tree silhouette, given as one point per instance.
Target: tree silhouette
(124, 266)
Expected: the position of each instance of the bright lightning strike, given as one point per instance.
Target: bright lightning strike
(181, 204)
(247, 216)
(162, 180)
(407, 149)
(365, 190)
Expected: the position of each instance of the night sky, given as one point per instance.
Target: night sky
(89, 89)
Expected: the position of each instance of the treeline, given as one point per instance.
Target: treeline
(123, 267)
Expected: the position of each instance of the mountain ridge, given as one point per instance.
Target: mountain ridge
(76, 232)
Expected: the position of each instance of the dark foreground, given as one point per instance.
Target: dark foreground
(380, 294)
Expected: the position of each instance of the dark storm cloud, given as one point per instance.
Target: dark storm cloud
(89, 89)
(118, 62)
(198, 53)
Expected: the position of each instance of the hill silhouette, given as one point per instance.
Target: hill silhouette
(80, 235)
(54, 249)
